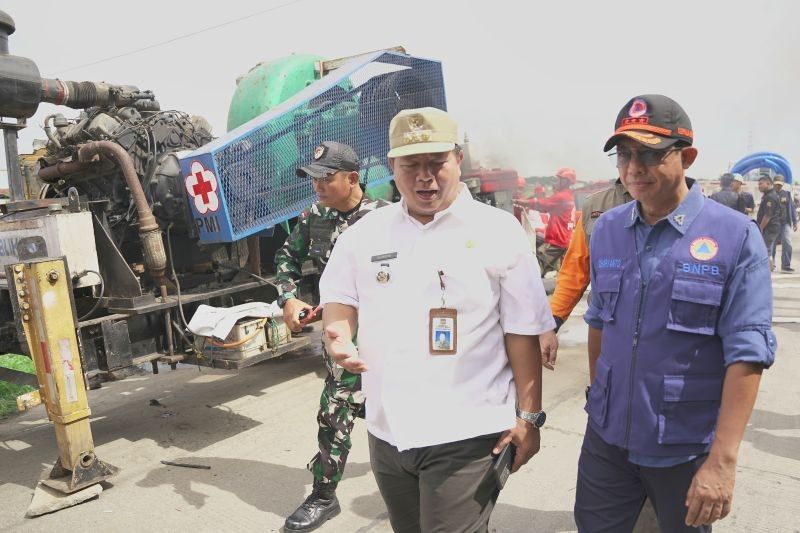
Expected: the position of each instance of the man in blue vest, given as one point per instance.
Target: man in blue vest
(679, 333)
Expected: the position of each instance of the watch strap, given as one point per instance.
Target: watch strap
(536, 419)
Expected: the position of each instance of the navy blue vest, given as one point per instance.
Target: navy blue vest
(658, 380)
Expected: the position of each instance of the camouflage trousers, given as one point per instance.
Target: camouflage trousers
(340, 404)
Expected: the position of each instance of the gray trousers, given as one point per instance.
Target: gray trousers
(611, 490)
(446, 488)
(784, 238)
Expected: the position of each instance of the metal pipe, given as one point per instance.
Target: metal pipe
(168, 322)
(15, 179)
(49, 132)
(7, 27)
(155, 257)
(16, 182)
(61, 169)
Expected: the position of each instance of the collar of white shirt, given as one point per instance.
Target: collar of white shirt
(458, 208)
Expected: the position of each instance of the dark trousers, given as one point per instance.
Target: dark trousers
(611, 490)
(445, 488)
(771, 236)
(784, 238)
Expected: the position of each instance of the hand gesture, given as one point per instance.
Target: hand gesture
(343, 351)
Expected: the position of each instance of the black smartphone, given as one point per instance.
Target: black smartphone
(502, 465)
(305, 316)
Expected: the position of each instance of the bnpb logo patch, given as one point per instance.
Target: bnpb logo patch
(638, 108)
(704, 248)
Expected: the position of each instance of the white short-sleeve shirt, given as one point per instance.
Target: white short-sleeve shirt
(491, 278)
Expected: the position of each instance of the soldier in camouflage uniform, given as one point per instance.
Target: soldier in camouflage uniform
(341, 202)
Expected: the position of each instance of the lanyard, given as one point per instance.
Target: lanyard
(441, 284)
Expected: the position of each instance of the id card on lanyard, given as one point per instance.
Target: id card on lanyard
(442, 326)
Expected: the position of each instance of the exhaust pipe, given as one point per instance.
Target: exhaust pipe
(155, 257)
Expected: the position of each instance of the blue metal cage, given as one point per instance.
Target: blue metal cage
(244, 182)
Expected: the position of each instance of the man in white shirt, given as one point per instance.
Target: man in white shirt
(438, 262)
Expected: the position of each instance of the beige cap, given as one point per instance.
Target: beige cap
(426, 130)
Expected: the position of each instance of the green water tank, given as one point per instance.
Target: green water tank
(266, 86)
(269, 84)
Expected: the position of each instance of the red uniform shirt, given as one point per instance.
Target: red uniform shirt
(561, 208)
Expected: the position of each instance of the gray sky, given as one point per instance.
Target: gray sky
(536, 85)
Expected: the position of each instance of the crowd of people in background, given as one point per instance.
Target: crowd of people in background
(777, 218)
(777, 212)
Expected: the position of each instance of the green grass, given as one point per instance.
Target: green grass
(10, 391)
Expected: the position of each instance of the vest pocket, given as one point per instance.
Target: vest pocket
(597, 403)
(606, 284)
(318, 249)
(689, 409)
(695, 306)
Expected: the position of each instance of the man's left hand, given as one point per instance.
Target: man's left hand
(548, 344)
(525, 437)
(711, 492)
(794, 227)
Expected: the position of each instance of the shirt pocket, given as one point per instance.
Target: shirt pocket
(607, 283)
(695, 306)
(689, 409)
(599, 393)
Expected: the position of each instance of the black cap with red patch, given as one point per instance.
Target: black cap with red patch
(653, 120)
(330, 157)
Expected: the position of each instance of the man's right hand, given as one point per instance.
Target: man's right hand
(343, 351)
(291, 313)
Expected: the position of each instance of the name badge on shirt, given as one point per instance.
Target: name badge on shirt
(442, 326)
(443, 331)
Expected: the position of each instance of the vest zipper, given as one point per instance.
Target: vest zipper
(636, 333)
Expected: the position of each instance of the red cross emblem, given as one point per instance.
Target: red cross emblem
(201, 184)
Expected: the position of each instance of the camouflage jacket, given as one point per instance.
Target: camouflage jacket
(313, 238)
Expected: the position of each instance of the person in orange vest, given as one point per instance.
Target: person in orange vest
(573, 277)
(561, 208)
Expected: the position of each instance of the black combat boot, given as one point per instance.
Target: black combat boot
(320, 506)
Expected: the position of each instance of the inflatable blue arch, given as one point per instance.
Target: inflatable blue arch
(764, 160)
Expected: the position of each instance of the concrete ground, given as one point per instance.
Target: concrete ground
(256, 429)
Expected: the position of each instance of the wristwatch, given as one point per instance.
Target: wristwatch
(535, 419)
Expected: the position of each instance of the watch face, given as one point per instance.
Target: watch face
(540, 419)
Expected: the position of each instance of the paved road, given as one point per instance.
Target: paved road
(257, 430)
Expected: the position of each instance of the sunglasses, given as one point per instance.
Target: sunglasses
(649, 158)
